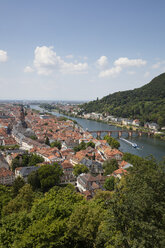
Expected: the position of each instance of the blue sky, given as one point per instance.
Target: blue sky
(79, 49)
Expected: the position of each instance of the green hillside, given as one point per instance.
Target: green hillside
(146, 103)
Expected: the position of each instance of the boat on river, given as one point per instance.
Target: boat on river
(156, 147)
(134, 145)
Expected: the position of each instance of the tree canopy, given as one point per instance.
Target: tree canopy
(17, 185)
(112, 141)
(136, 213)
(110, 166)
(109, 183)
(56, 143)
(26, 159)
(83, 146)
(130, 216)
(47, 142)
(80, 168)
(45, 177)
(5, 196)
(146, 103)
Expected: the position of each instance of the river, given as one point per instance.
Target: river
(146, 145)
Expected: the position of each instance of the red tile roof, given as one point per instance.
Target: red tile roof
(5, 172)
(66, 164)
(120, 171)
(123, 163)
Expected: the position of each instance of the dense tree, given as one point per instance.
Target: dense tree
(46, 177)
(110, 166)
(26, 160)
(17, 185)
(146, 103)
(5, 196)
(34, 181)
(80, 168)
(130, 216)
(12, 227)
(112, 141)
(136, 213)
(50, 217)
(56, 143)
(47, 142)
(9, 147)
(83, 225)
(91, 144)
(132, 159)
(83, 146)
(35, 159)
(33, 137)
(23, 201)
(102, 198)
(109, 183)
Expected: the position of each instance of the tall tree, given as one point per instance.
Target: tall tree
(80, 168)
(109, 183)
(47, 142)
(50, 216)
(23, 201)
(26, 160)
(136, 213)
(46, 177)
(110, 166)
(57, 144)
(5, 196)
(17, 185)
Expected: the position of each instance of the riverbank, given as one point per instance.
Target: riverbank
(147, 145)
(127, 127)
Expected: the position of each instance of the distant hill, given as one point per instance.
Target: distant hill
(146, 103)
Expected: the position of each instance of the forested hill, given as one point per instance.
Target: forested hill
(146, 103)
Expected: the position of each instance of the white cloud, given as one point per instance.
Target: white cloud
(158, 64)
(119, 64)
(3, 56)
(114, 71)
(28, 69)
(69, 56)
(73, 68)
(46, 62)
(125, 62)
(102, 61)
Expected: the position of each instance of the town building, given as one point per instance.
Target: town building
(6, 176)
(88, 182)
(24, 172)
(68, 176)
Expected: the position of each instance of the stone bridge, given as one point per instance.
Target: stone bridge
(120, 132)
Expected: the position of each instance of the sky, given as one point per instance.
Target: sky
(79, 49)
